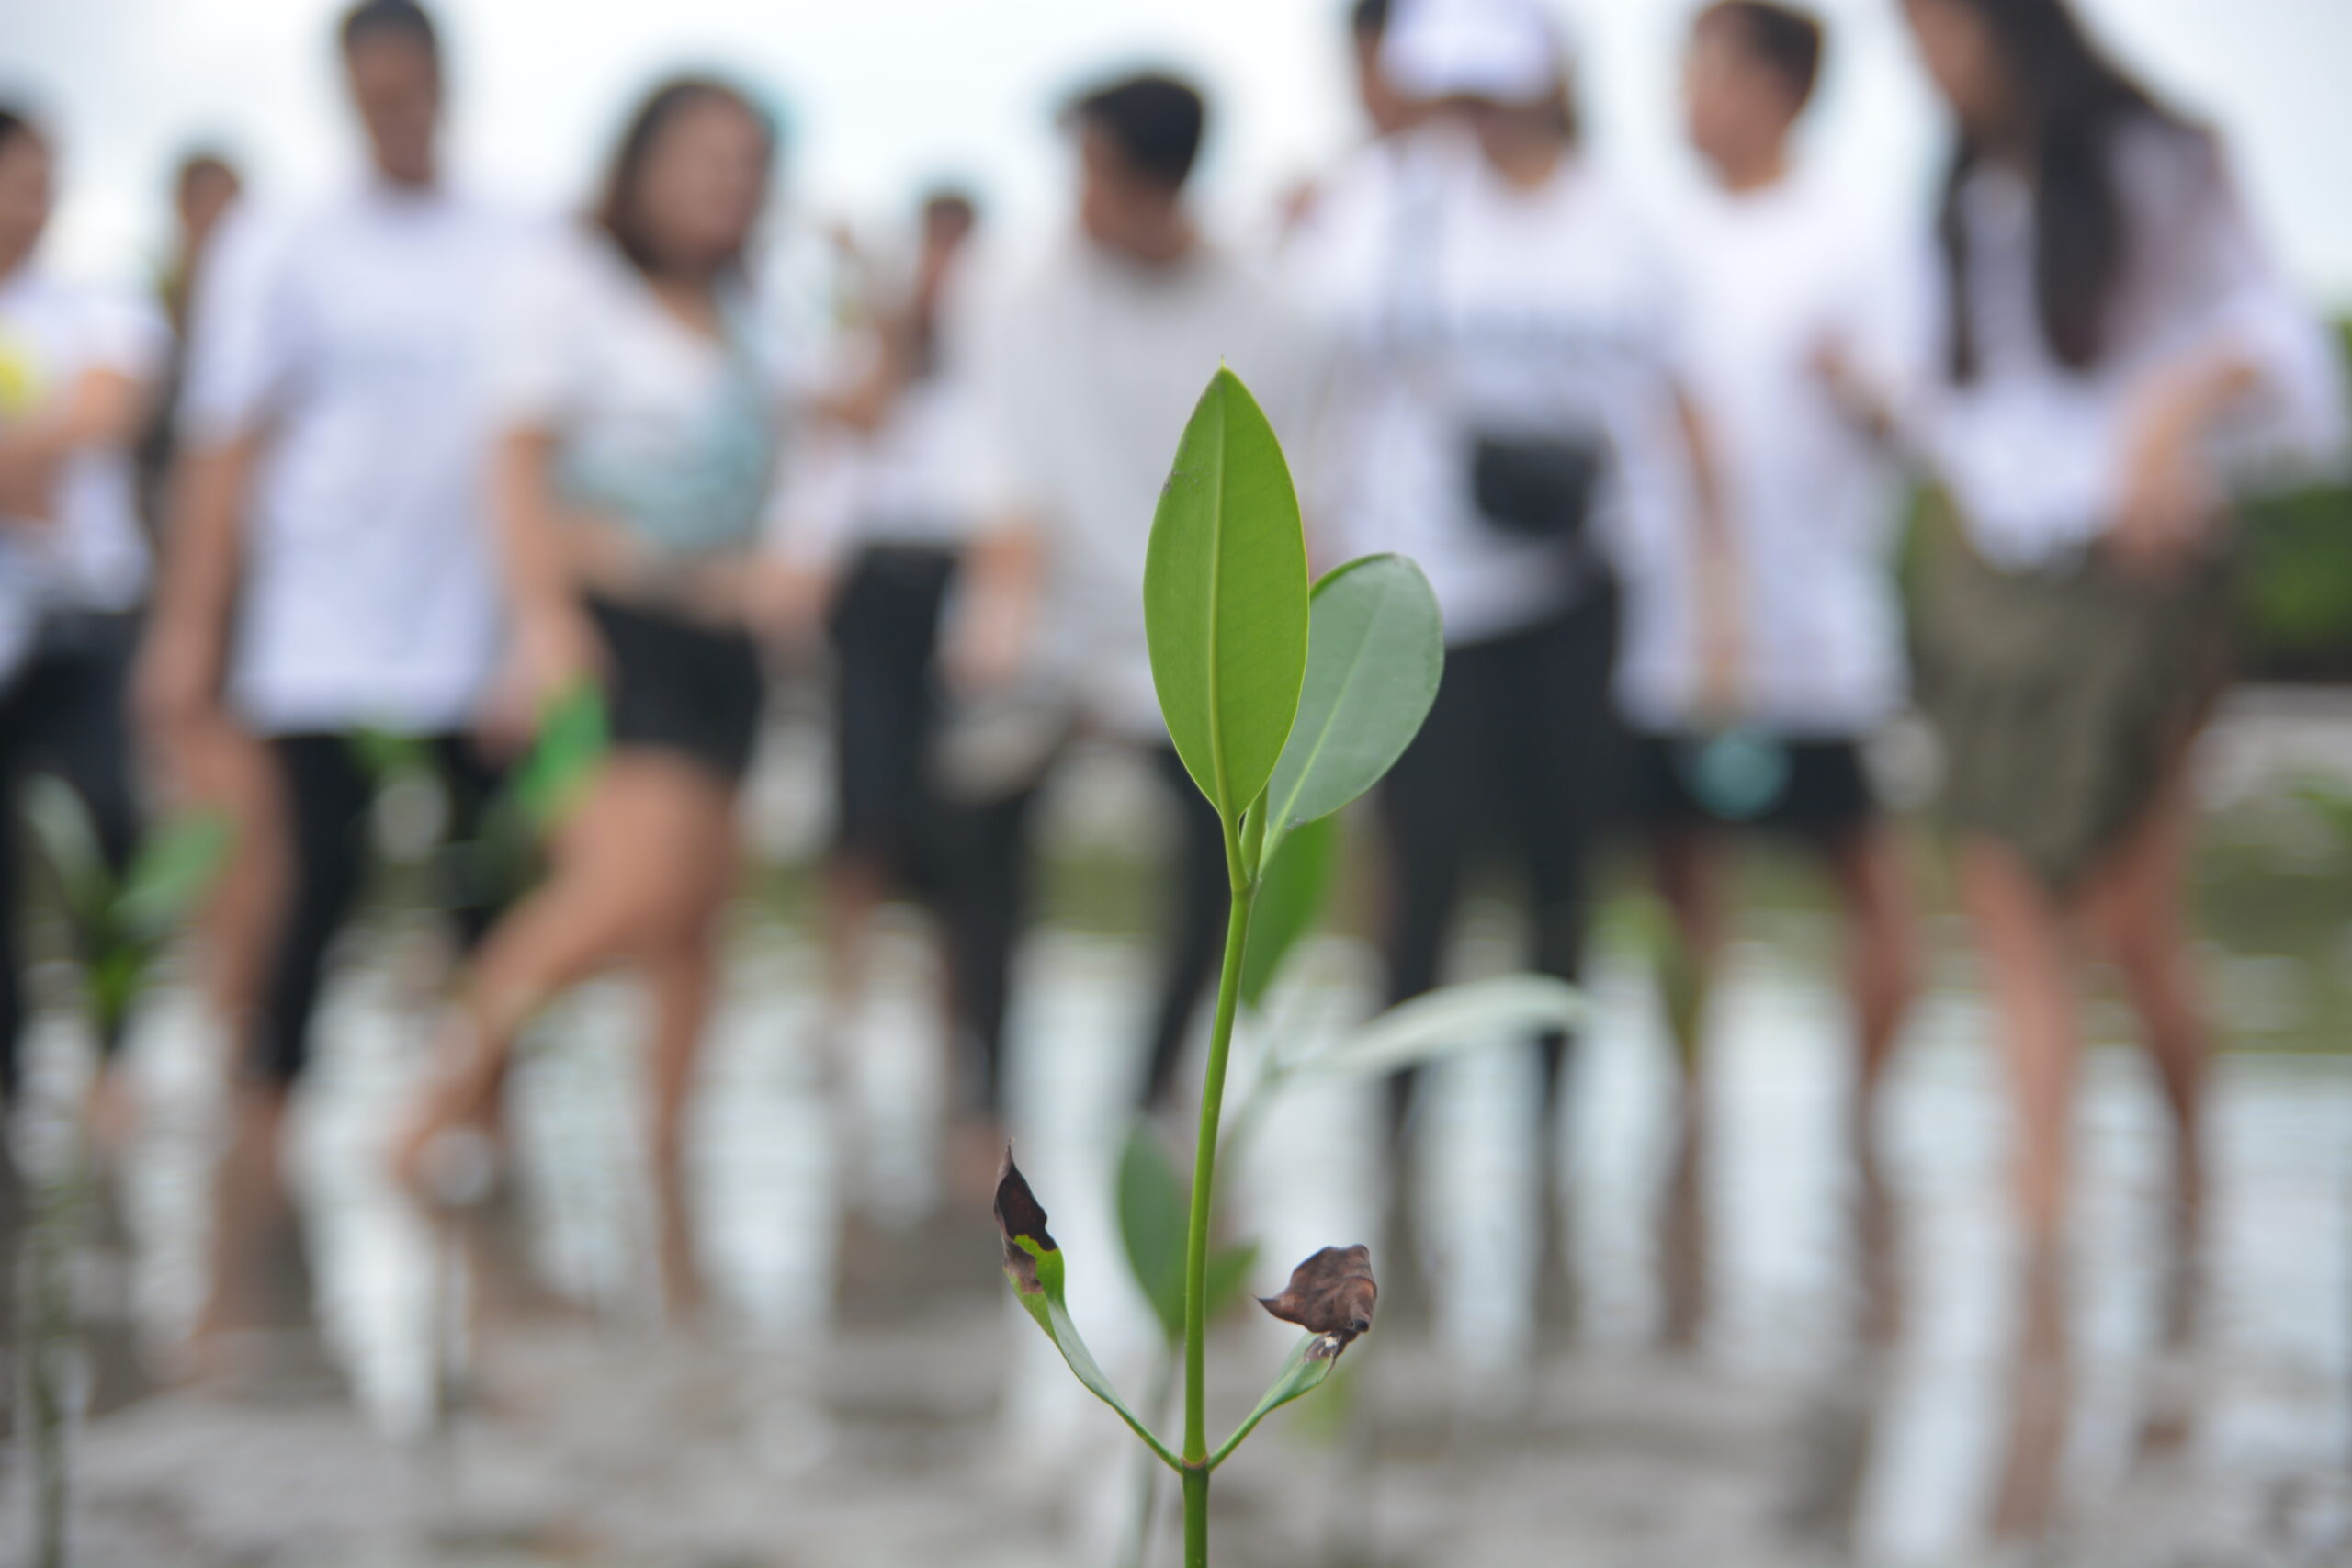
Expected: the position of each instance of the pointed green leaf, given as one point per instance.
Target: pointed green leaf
(62, 828)
(1373, 657)
(1290, 901)
(1152, 1223)
(1225, 598)
(175, 866)
(1446, 1021)
(573, 735)
(1303, 1373)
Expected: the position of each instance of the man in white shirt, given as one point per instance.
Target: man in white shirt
(1086, 371)
(1793, 312)
(77, 368)
(328, 569)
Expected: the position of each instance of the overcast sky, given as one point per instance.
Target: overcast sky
(883, 95)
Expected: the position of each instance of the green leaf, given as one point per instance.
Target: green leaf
(62, 828)
(1375, 654)
(1446, 1022)
(573, 735)
(175, 866)
(1152, 1220)
(1228, 1273)
(1225, 598)
(382, 755)
(1045, 1305)
(1303, 1373)
(1290, 896)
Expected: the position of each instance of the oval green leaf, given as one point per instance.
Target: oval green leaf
(1374, 655)
(1225, 598)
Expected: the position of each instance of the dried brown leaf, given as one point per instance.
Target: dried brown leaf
(1018, 1214)
(1332, 1294)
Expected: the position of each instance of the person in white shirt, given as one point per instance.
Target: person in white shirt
(1505, 411)
(1085, 372)
(641, 397)
(78, 368)
(2120, 355)
(886, 510)
(327, 568)
(1788, 298)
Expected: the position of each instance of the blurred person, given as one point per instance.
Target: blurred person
(78, 368)
(1506, 412)
(640, 399)
(899, 514)
(1088, 368)
(327, 569)
(2119, 352)
(1385, 111)
(1800, 325)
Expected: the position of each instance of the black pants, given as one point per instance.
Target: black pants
(1518, 764)
(328, 797)
(987, 900)
(64, 716)
(885, 642)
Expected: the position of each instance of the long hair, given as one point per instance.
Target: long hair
(621, 210)
(2071, 99)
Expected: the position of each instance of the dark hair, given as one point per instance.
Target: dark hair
(1782, 38)
(951, 202)
(17, 120)
(1368, 19)
(2071, 101)
(197, 164)
(1156, 121)
(619, 210)
(389, 19)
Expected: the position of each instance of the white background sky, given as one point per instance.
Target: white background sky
(883, 95)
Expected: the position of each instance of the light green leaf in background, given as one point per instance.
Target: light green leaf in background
(175, 866)
(1225, 598)
(1374, 655)
(1295, 883)
(1151, 1223)
(1444, 1022)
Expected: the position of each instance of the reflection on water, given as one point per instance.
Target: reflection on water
(1874, 1376)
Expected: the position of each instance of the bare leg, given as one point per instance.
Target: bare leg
(1882, 950)
(683, 974)
(249, 1204)
(629, 874)
(1687, 866)
(2031, 972)
(2134, 910)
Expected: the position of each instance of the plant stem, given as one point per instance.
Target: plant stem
(1196, 1251)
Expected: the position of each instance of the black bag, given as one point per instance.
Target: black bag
(1535, 487)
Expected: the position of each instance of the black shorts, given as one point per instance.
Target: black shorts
(886, 636)
(1815, 789)
(676, 685)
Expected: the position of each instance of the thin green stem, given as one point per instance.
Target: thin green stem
(1196, 1251)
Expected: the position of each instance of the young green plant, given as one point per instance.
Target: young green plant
(1285, 705)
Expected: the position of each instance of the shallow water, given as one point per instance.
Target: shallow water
(881, 1403)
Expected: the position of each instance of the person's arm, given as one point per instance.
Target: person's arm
(176, 684)
(1003, 583)
(1714, 571)
(106, 408)
(554, 644)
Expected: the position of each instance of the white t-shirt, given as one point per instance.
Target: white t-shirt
(1085, 370)
(1772, 280)
(1459, 307)
(91, 554)
(666, 431)
(2034, 451)
(354, 334)
(903, 482)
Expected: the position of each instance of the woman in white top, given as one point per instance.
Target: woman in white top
(2118, 345)
(642, 408)
(77, 369)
